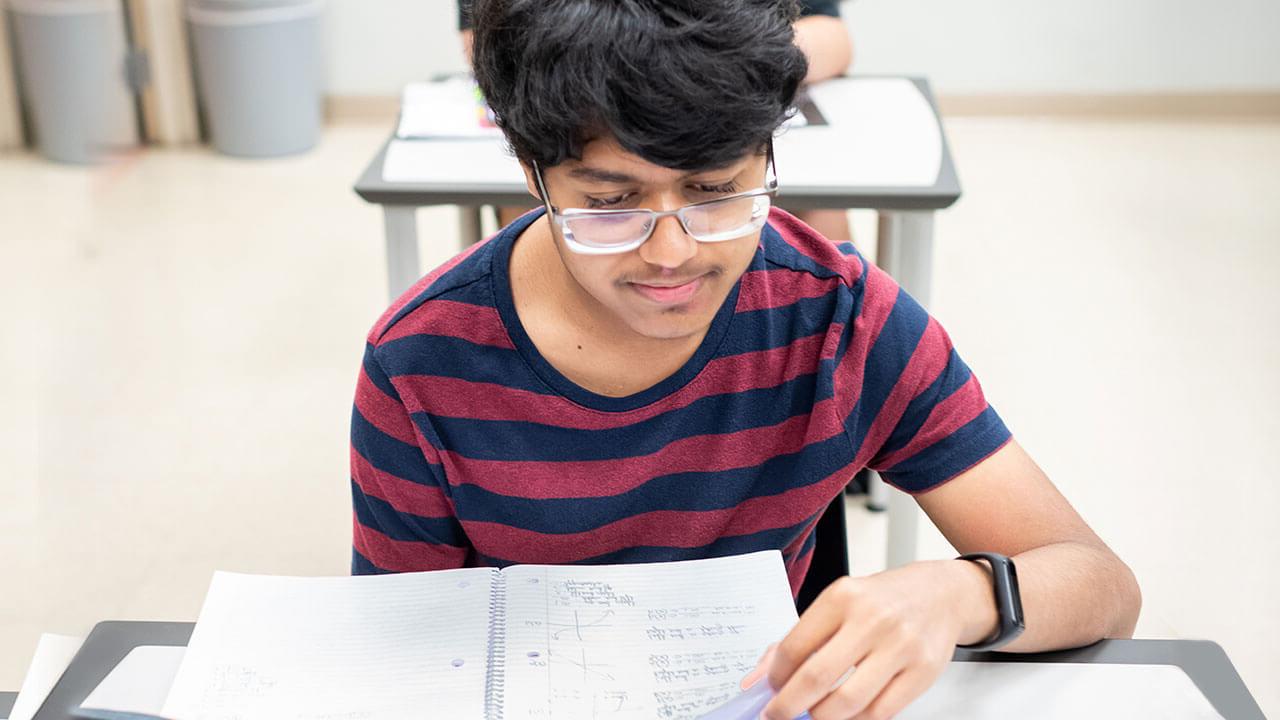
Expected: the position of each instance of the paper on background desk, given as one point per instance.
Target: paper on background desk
(53, 655)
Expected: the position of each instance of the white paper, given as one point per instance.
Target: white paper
(52, 656)
(356, 648)
(669, 640)
(454, 163)
(881, 132)
(1061, 691)
(140, 682)
(450, 108)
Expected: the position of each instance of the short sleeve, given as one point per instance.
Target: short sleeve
(402, 516)
(918, 416)
(465, 18)
(819, 7)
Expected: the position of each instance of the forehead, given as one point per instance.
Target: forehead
(604, 160)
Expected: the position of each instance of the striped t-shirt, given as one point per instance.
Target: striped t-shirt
(469, 448)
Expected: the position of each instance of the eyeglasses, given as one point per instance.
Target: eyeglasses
(606, 232)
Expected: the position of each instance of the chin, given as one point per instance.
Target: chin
(670, 326)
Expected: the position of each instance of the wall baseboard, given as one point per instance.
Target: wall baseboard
(362, 108)
(1167, 106)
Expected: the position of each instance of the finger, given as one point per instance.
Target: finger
(863, 686)
(899, 693)
(821, 672)
(815, 627)
(761, 666)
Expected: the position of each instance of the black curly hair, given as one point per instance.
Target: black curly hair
(685, 84)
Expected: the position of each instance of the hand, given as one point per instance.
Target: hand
(869, 646)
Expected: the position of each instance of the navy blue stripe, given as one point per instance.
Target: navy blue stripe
(886, 360)
(683, 492)
(375, 373)
(951, 379)
(378, 514)
(769, 328)
(779, 252)
(361, 565)
(773, 539)
(715, 414)
(950, 456)
(391, 455)
(444, 356)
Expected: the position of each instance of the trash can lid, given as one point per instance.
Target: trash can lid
(62, 7)
(250, 12)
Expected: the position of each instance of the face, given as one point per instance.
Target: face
(672, 285)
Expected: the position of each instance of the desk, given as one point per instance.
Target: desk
(883, 148)
(1204, 662)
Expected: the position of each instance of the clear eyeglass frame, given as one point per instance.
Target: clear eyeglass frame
(633, 227)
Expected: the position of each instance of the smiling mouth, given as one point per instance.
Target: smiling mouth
(669, 294)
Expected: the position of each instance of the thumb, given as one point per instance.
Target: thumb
(762, 666)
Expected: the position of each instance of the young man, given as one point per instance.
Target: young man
(656, 366)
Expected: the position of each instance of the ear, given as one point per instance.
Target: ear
(530, 183)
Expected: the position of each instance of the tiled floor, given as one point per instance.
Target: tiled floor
(181, 333)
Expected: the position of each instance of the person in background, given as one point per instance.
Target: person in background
(824, 39)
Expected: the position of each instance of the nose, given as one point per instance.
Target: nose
(669, 246)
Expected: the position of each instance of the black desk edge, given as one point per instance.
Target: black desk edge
(1203, 661)
(942, 194)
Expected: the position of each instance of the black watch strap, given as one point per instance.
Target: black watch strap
(1008, 601)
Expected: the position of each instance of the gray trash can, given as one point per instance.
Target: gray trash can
(258, 73)
(72, 58)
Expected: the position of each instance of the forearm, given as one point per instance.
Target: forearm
(1073, 594)
(826, 44)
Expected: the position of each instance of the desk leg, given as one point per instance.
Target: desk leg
(469, 225)
(905, 251)
(403, 270)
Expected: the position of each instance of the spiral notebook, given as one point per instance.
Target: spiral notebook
(667, 640)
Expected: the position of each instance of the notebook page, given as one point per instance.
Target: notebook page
(354, 648)
(660, 640)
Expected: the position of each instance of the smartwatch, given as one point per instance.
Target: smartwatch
(1008, 601)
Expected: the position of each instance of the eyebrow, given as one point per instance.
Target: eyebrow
(585, 172)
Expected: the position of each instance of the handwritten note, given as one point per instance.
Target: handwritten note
(638, 642)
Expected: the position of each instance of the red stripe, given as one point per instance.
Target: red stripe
(880, 294)
(601, 478)
(405, 496)
(928, 360)
(797, 570)
(696, 528)
(812, 245)
(764, 289)
(382, 411)
(479, 324)
(408, 296)
(454, 397)
(404, 555)
(948, 416)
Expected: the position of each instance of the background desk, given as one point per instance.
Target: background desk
(1204, 662)
(883, 148)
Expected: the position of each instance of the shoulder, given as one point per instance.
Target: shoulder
(444, 302)
(790, 245)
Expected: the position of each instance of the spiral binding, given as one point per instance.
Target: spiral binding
(495, 676)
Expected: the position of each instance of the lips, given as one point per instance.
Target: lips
(668, 294)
